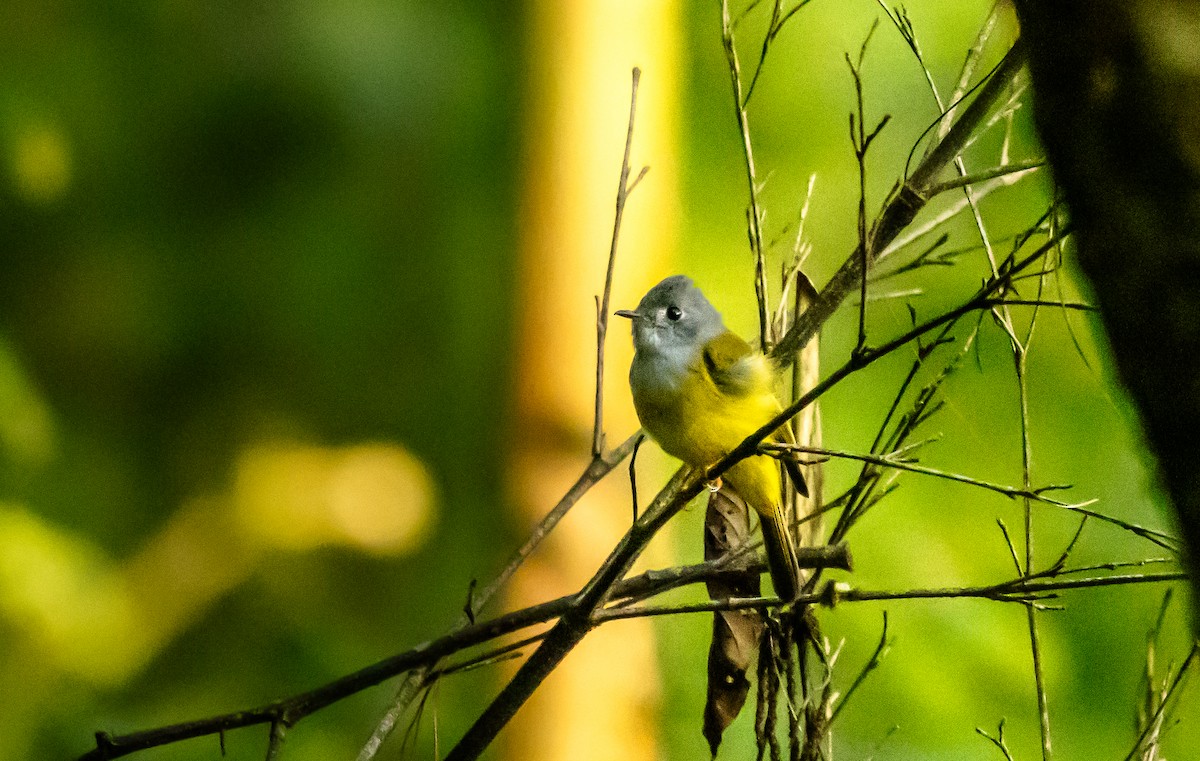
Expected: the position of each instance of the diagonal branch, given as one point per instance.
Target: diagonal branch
(911, 197)
(576, 622)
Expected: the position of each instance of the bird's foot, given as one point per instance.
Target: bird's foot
(715, 485)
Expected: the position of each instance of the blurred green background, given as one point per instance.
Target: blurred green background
(256, 374)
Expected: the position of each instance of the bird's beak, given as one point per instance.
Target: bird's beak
(627, 313)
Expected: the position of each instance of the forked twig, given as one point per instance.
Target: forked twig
(624, 188)
(861, 141)
(998, 740)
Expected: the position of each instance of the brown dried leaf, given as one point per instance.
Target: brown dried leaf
(806, 374)
(736, 634)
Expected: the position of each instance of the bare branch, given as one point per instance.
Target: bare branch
(779, 19)
(1162, 706)
(862, 143)
(892, 461)
(1013, 171)
(998, 740)
(275, 743)
(624, 188)
(872, 663)
(754, 212)
(1018, 590)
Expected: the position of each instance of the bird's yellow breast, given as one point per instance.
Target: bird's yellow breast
(698, 422)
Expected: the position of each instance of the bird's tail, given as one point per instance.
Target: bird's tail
(782, 560)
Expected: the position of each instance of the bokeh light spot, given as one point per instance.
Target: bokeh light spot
(378, 497)
(59, 590)
(41, 161)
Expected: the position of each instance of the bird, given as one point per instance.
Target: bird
(699, 391)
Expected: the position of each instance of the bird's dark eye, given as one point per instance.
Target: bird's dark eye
(674, 313)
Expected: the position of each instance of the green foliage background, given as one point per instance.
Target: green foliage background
(223, 221)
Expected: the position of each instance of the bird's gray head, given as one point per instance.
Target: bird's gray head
(674, 316)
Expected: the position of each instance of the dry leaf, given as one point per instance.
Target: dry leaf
(736, 634)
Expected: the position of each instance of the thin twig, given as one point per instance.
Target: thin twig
(792, 274)
(624, 188)
(945, 215)
(1147, 717)
(1012, 171)
(639, 437)
(1160, 538)
(1020, 354)
(778, 19)
(998, 740)
(881, 651)
(495, 655)
(970, 64)
(1017, 590)
(754, 210)
(275, 740)
(862, 143)
(413, 728)
(890, 461)
(412, 685)
(1162, 706)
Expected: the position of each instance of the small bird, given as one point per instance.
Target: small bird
(699, 391)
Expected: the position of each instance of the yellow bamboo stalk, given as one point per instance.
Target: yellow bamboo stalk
(602, 702)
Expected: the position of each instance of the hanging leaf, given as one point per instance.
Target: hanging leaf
(736, 633)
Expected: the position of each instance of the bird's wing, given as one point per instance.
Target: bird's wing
(790, 464)
(737, 370)
(733, 365)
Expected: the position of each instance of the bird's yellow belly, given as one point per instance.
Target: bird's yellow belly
(699, 424)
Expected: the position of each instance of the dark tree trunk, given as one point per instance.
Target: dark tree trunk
(1117, 102)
